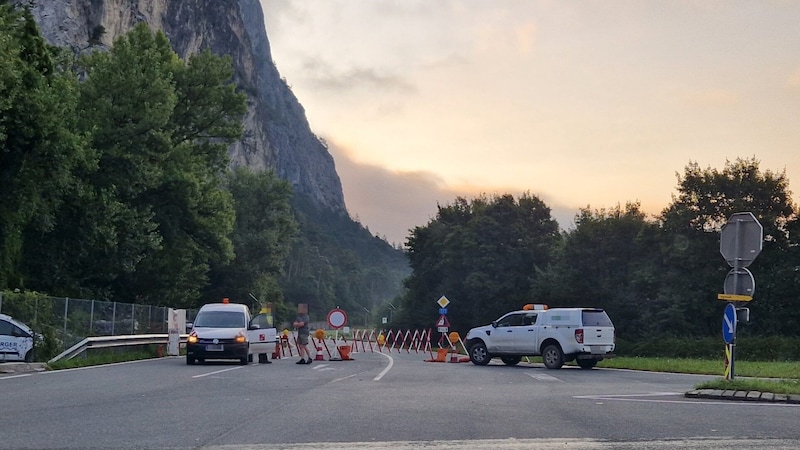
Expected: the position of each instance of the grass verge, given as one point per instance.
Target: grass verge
(779, 377)
(106, 356)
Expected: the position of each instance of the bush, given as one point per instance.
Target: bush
(769, 348)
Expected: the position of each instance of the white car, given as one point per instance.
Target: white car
(16, 340)
(558, 335)
(227, 331)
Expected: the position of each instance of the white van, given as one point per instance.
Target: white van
(16, 340)
(227, 331)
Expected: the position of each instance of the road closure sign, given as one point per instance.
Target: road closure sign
(337, 318)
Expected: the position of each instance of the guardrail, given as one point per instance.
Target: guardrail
(114, 341)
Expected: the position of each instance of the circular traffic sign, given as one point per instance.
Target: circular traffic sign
(337, 318)
(729, 323)
(739, 282)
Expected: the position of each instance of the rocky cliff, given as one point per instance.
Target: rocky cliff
(277, 134)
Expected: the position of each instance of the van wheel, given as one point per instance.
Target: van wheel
(29, 356)
(189, 360)
(587, 363)
(553, 357)
(511, 360)
(479, 355)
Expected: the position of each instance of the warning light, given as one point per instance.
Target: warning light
(226, 300)
(453, 337)
(534, 306)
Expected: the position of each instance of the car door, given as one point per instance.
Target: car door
(261, 334)
(527, 335)
(506, 333)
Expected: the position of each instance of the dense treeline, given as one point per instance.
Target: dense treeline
(116, 186)
(656, 276)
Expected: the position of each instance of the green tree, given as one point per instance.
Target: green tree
(610, 260)
(482, 254)
(39, 143)
(694, 270)
(262, 238)
(154, 213)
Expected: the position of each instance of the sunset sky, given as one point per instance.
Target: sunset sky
(581, 103)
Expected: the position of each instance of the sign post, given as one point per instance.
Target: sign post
(442, 324)
(740, 241)
(729, 321)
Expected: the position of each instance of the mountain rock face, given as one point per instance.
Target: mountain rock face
(277, 135)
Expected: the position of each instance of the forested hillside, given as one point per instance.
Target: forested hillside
(117, 186)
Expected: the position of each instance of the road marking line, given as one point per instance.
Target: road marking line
(16, 376)
(216, 372)
(386, 370)
(543, 377)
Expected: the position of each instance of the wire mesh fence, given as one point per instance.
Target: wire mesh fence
(63, 322)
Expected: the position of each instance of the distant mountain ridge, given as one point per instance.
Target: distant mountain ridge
(276, 131)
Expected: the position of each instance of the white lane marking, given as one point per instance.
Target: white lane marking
(386, 370)
(16, 376)
(216, 372)
(543, 377)
(344, 378)
(323, 368)
(639, 398)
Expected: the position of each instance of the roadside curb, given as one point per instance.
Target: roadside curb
(752, 396)
(10, 367)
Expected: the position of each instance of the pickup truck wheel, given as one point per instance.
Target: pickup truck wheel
(511, 360)
(553, 357)
(587, 363)
(479, 355)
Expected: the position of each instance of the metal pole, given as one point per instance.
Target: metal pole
(66, 312)
(91, 319)
(113, 318)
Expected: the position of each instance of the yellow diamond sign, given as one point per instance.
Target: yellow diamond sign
(443, 301)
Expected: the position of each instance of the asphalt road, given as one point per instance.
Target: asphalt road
(377, 401)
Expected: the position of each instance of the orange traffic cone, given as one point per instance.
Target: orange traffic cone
(319, 356)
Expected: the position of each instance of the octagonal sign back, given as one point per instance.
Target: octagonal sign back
(740, 239)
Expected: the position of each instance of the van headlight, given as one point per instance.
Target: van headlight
(240, 338)
(192, 339)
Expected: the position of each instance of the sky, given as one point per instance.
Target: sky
(580, 103)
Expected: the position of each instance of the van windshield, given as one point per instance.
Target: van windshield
(220, 319)
(596, 318)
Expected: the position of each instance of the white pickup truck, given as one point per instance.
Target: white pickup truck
(558, 335)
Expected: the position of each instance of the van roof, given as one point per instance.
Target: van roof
(224, 307)
(16, 322)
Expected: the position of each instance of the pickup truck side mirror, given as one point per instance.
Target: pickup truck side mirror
(494, 324)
